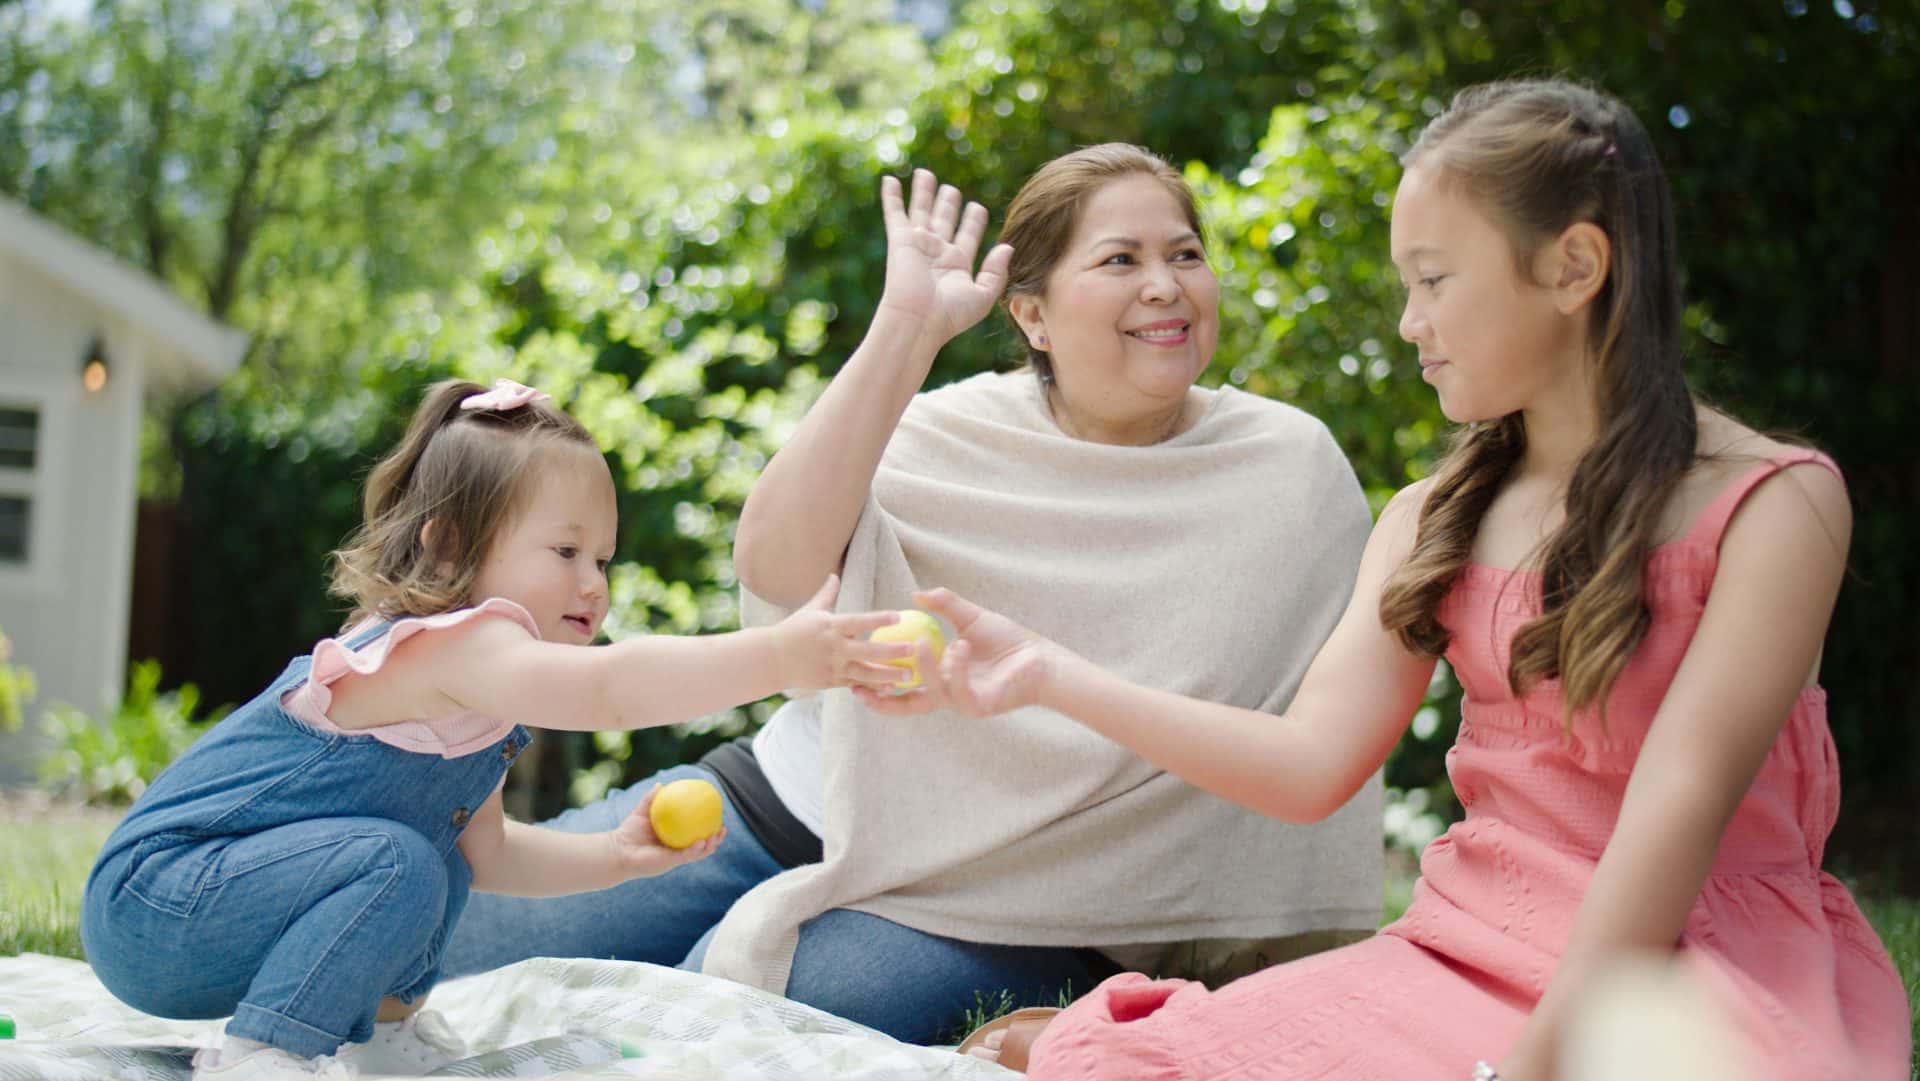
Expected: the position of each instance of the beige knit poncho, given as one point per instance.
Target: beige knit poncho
(1212, 564)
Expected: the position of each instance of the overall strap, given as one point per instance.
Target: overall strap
(1713, 521)
(368, 634)
(300, 667)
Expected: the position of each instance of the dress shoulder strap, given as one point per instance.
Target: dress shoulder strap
(1713, 521)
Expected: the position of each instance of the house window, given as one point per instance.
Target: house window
(19, 436)
(19, 454)
(15, 521)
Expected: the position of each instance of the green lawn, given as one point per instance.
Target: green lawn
(49, 847)
(1898, 921)
(43, 864)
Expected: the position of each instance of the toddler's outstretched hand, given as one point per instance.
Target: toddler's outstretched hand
(638, 851)
(818, 648)
(995, 664)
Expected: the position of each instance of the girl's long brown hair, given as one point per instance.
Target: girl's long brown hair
(461, 470)
(1541, 156)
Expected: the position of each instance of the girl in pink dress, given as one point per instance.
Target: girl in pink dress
(1633, 589)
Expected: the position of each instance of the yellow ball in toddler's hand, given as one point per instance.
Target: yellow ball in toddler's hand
(915, 626)
(685, 811)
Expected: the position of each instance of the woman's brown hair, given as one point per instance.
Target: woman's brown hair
(459, 470)
(1041, 218)
(1541, 156)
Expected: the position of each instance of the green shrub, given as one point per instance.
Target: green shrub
(111, 760)
(16, 687)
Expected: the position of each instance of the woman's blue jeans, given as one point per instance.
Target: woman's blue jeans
(908, 984)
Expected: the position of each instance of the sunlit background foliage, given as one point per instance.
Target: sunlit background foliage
(664, 214)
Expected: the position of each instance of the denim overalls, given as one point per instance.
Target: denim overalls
(287, 876)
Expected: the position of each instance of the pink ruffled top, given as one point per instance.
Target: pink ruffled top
(448, 736)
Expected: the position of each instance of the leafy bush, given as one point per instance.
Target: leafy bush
(16, 687)
(111, 760)
(682, 261)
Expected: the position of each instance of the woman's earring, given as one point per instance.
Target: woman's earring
(1041, 342)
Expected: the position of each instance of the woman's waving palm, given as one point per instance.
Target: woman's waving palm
(931, 244)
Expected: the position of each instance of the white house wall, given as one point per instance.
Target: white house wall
(67, 612)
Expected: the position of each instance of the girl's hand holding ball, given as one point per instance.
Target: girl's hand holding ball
(676, 823)
(822, 648)
(993, 666)
(914, 627)
(685, 811)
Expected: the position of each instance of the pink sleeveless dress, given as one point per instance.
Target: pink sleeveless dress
(1776, 942)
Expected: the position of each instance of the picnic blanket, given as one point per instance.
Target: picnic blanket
(540, 1018)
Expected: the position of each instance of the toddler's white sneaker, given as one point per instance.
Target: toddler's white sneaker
(266, 1064)
(422, 1043)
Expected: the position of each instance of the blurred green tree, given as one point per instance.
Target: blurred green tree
(1788, 132)
(666, 216)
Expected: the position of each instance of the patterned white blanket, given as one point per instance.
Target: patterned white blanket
(539, 1018)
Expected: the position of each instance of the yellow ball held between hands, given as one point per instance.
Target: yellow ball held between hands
(684, 812)
(914, 626)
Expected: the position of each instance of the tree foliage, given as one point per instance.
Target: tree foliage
(17, 687)
(665, 215)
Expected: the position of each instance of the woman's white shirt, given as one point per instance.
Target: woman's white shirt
(788, 750)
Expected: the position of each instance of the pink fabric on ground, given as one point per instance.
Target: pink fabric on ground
(1780, 945)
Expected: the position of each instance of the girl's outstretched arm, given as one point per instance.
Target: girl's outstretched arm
(495, 667)
(529, 861)
(800, 515)
(1757, 646)
(1356, 698)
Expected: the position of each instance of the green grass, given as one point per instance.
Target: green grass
(987, 1007)
(48, 848)
(1898, 921)
(44, 857)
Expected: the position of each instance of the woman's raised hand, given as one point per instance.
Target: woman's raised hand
(931, 243)
(994, 664)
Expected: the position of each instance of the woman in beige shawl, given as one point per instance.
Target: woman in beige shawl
(900, 871)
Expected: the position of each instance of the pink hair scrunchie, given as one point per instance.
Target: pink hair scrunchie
(506, 394)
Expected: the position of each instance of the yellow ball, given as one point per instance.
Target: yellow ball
(685, 811)
(914, 626)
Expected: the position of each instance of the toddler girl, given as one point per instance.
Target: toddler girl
(300, 866)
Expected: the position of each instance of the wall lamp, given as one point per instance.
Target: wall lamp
(93, 367)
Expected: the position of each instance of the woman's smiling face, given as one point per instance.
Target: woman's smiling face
(1130, 315)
